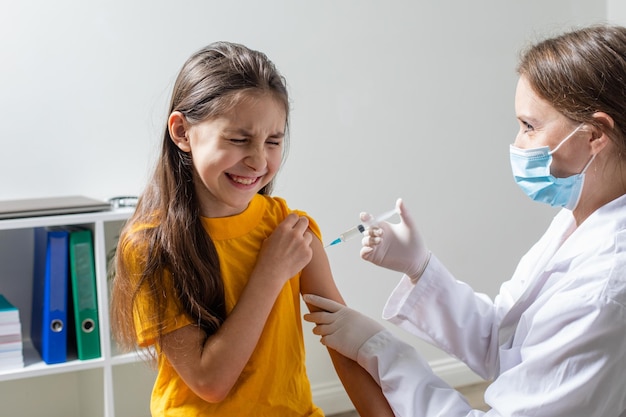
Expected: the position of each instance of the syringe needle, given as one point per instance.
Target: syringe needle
(360, 228)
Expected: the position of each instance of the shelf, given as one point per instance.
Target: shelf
(65, 220)
(34, 366)
(114, 385)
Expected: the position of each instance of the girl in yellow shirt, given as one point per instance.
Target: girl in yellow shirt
(210, 268)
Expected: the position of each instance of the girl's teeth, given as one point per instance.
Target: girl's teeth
(243, 180)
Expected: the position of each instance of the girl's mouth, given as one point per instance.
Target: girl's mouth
(247, 181)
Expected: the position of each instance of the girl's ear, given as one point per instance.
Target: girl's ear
(600, 138)
(177, 125)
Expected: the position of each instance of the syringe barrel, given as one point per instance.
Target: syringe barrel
(352, 233)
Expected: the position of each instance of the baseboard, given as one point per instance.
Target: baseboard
(332, 398)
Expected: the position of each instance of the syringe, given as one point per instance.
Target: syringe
(360, 228)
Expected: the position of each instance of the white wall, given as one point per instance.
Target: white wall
(404, 98)
(616, 11)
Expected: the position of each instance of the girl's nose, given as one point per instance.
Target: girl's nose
(256, 158)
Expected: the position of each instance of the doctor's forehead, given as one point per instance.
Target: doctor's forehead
(529, 105)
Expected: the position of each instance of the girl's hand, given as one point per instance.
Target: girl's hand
(288, 250)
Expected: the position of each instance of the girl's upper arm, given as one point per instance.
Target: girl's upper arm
(317, 277)
(363, 391)
(183, 349)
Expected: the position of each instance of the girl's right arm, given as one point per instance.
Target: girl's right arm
(210, 366)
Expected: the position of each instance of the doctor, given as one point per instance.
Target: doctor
(554, 339)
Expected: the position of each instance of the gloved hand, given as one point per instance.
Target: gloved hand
(396, 246)
(342, 329)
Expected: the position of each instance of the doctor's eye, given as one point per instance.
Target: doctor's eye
(527, 127)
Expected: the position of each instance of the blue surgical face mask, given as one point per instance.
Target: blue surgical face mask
(531, 170)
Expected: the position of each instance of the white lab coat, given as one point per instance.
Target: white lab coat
(553, 341)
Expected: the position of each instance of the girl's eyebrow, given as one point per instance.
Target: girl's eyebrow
(247, 133)
(237, 132)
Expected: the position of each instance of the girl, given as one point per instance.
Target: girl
(210, 268)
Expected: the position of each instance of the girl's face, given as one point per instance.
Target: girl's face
(234, 154)
(542, 125)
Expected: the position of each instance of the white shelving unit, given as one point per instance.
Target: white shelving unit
(114, 385)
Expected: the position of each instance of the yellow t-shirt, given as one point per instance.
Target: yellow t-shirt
(274, 381)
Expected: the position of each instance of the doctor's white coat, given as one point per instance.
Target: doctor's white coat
(553, 341)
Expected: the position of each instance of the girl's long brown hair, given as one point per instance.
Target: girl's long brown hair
(171, 237)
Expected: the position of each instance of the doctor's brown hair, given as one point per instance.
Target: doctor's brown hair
(580, 73)
(170, 234)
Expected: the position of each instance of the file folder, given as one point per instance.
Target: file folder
(50, 281)
(84, 295)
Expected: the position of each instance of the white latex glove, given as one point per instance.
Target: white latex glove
(396, 246)
(342, 329)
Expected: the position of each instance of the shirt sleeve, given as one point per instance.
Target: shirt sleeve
(410, 386)
(568, 363)
(570, 366)
(313, 226)
(145, 318)
(448, 314)
(174, 318)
